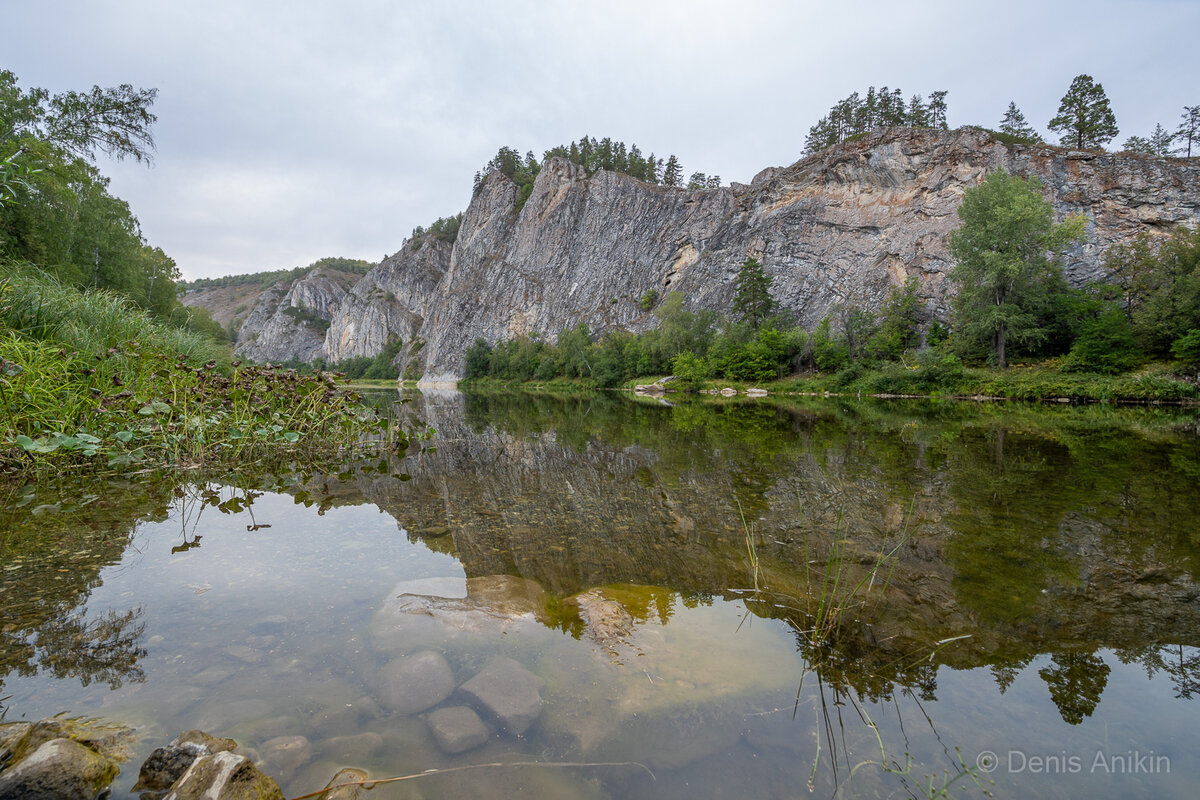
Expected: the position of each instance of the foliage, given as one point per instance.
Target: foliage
(1159, 143)
(444, 229)
(352, 266)
(1187, 348)
(1188, 132)
(589, 153)
(885, 108)
(1006, 252)
(900, 319)
(752, 301)
(1085, 119)
(1015, 125)
(647, 301)
(1158, 279)
(1105, 344)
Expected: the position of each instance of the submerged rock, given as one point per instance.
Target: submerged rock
(412, 684)
(508, 692)
(285, 755)
(345, 785)
(457, 729)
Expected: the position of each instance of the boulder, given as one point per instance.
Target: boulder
(224, 776)
(60, 769)
(168, 764)
(412, 684)
(508, 693)
(457, 729)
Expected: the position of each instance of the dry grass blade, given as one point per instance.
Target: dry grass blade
(431, 772)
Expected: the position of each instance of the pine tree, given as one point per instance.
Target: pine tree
(1014, 124)
(714, 182)
(1137, 144)
(672, 172)
(637, 164)
(698, 181)
(1085, 118)
(937, 109)
(1161, 141)
(918, 112)
(653, 169)
(752, 300)
(1188, 131)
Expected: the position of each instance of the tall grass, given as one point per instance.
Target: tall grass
(87, 378)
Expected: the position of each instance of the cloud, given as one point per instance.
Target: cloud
(291, 131)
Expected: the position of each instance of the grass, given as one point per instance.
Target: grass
(87, 381)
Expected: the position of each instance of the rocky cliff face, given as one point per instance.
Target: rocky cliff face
(844, 225)
(290, 321)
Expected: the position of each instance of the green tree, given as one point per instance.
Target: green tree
(1084, 117)
(752, 300)
(672, 172)
(1188, 132)
(900, 320)
(1007, 250)
(1014, 124)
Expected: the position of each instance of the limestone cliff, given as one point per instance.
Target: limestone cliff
(842, 225)
(290, 321)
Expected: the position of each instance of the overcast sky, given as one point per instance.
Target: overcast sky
(288, 131)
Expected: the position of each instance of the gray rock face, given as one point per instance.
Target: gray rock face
(843, 225)
(457, 729)
(60, 769)
(290, 321)
(412, 684)
(507, 692)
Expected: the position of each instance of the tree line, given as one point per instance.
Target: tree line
(56, 210)
(355, 266)
(1085, 119)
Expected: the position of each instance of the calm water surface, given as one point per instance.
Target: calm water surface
(775, 598)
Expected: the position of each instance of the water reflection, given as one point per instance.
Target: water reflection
(667, 571)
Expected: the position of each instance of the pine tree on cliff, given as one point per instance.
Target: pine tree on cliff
(1085, 118)
(937, 110)
(672, 172)
(1188, 132)
(1014, 124)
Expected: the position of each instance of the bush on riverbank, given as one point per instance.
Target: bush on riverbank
(88, 379)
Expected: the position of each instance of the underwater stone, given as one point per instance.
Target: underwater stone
(335, 790)
(508, 692)
(286, 754)
(457, 729)
(412, 684)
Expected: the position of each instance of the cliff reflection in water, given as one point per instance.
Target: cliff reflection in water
(1018, 531)
(1021, 530)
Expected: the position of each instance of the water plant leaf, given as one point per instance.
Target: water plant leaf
(25, 443)
(87, 438)
(156, 407)
(291, 436)
(123, 436)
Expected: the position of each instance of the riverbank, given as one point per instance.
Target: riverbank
(1156, 383)
(89, 381)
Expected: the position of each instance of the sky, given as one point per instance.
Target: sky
(290, 131)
